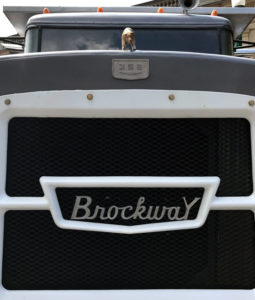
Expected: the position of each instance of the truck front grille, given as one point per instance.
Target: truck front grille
(40, 256)
(128, 147)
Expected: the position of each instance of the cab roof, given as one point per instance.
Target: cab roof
(132, 19)
(240, 17)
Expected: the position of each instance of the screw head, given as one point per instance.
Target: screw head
(171, 97)
(90, 97)
(7, 101)
(251, 102)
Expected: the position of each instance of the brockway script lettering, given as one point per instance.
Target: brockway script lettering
(82, 211)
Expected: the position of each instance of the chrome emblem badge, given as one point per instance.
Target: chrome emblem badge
(83, 211)
(75, 203)
(130, 69)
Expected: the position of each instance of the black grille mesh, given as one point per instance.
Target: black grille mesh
(128, 147)
(40, 256)
(122, 197)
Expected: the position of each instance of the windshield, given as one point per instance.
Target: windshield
(191, 40)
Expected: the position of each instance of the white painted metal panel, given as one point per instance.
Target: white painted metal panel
(121, 104)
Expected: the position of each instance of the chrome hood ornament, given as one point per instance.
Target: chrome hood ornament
(128, 38)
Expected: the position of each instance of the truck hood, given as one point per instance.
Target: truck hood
(87, 70)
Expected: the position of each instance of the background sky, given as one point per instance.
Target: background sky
(7, 29)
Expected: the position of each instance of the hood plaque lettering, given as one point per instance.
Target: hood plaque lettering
(130, 69)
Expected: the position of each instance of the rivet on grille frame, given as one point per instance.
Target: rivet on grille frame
(171, 97)
(7, 101)
(90, 97)
(251, 102)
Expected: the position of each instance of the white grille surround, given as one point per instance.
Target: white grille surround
(121, 104)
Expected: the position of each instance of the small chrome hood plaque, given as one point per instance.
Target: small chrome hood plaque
(130, 69)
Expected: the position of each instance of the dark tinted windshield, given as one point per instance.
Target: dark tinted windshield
(192, 40)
